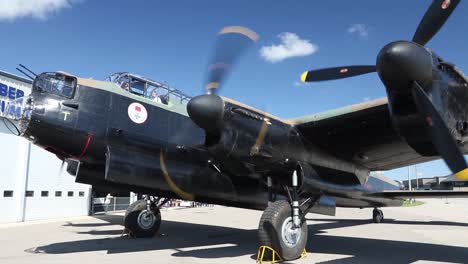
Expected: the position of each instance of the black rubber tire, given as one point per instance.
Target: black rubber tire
(131, 220)
(269, 231)
(377, 216)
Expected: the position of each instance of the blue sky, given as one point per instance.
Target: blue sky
(172, 41)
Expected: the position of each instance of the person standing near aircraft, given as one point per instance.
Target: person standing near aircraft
(107, 201)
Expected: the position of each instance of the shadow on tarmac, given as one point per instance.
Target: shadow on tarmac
(185, 238)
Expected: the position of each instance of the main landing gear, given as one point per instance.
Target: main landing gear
(278, 231)
(143, 218)
(282, 229)
(377, 215)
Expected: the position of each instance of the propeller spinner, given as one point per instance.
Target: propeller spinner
(207, 110)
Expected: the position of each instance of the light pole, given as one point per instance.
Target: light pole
(409, 178)
(417, 181)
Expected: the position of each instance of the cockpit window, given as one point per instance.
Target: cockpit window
(55, 83)
(137, 87)
(150, 89)
(157, 94)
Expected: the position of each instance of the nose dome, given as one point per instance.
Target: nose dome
(206, 111)
(402, 62)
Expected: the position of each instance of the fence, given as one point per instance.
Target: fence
(104, 205)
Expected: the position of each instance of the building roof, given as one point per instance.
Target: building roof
(15, 77)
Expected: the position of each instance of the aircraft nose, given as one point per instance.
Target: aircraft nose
(402, 62)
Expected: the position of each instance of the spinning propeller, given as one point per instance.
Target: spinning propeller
(404, 64)
(436, 16)
(207, 110)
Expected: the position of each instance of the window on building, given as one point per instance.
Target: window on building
(7, 193)
(44, 193)
(70, 194)
(81, 194)
(58, 194)
(29, 193)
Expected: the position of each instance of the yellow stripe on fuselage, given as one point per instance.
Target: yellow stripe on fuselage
(172, 185)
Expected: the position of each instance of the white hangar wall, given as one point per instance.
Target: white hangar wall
(33, 183)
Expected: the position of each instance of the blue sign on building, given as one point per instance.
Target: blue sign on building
(11, 101)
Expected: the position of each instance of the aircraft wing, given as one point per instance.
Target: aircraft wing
(361, 133)
(421, 194)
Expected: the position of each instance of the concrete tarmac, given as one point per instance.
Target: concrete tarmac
(436, 232)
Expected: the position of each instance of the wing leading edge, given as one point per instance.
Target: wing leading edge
(360, 133)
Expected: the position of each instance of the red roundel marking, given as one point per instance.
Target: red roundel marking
(429, 121)
(445, 4)
(344, 70)
(137, 113)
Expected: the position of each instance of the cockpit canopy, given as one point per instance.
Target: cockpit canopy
(148, 88)
(55, 83)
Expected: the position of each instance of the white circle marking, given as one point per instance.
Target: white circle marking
(137, 113)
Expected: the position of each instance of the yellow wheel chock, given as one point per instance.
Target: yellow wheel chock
(273, 257)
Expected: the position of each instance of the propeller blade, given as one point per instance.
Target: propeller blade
(440, 134)
(231, 43)
(336, 73)
(434, 19)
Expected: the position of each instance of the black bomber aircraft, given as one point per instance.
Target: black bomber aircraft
(215, 150)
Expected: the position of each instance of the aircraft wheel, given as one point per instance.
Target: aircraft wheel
(377, 216)
(141, 222)
(276, 230)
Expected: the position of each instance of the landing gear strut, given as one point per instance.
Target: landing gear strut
(377, 215)
(282, 228)
(143, 218)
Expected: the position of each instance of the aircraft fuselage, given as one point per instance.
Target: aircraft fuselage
(127, 142)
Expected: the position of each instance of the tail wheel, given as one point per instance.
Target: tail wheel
(140, 221)
(276, 230)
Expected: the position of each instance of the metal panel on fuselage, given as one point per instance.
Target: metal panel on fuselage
(159, 129)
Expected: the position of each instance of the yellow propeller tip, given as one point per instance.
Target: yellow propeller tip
(212, 85)
(304, 76)
(240, 30)
(462, 175)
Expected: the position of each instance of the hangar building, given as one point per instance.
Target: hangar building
(33, 183)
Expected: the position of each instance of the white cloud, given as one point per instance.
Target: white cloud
(359, 29)
(40, 9)
(291, 46)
